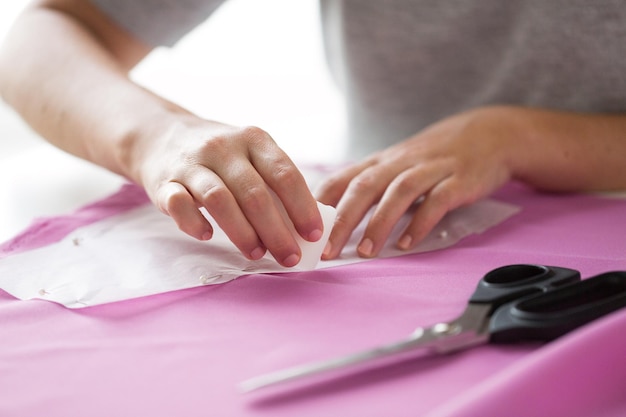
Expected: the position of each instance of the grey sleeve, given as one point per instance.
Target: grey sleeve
(158, 22)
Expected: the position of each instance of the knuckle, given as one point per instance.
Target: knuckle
(441, 198)
(380, 218)
(218, 141)
(342, 223)
(255, 199)
(215, 197)
(403, 185)
(174, 201)
(363, 183)
(216, 147)
(254, 134)
(286, 175)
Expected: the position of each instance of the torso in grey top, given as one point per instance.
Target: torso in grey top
(404, 64)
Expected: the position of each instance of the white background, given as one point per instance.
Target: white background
(252, 63)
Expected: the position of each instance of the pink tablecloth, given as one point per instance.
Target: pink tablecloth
(183, 353)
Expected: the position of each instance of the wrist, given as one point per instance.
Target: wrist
(501, 129)
(145, 136)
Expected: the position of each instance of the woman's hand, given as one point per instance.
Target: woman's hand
(453, 163)
(231, 172)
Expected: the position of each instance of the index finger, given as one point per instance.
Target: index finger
(335, 186)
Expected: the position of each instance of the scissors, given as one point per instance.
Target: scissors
(513, 303)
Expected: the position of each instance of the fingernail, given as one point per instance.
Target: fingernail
(327, 249)
(257, 253)
(366, 247)
(315, 235)
(405, 242)
(207, 235)
(291, 260)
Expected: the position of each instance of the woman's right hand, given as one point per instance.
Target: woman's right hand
(232, 172)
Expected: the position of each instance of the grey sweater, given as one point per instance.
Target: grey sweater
(404, 64)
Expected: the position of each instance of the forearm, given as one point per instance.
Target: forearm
(563, 151)
(64, 68)
(74, 91)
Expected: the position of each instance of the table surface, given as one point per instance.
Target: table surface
(184, 352)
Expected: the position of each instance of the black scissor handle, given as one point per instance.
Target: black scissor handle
(549, 315)
(511, 282)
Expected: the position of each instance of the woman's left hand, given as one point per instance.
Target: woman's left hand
(450, 164)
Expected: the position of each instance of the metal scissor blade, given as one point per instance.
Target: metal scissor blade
(314, 368)
(465, 331)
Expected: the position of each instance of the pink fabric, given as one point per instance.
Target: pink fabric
(49, 230)
(183, 353)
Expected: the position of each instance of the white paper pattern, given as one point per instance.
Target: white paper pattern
(141, 252)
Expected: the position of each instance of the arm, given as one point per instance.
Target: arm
(467, 157)
(64, 68)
